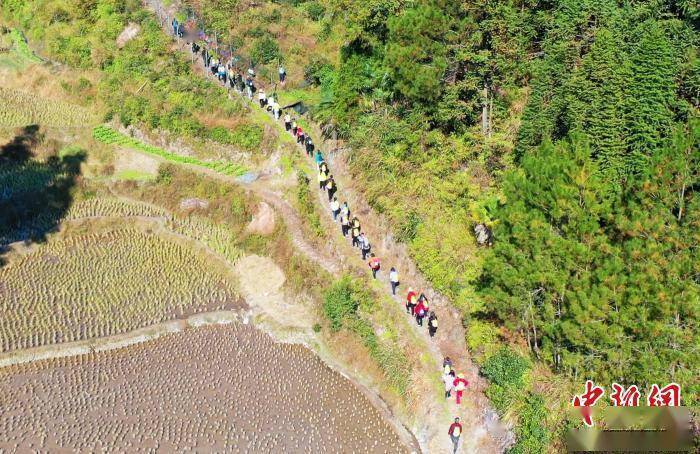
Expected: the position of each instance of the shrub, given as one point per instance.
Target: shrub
(533, 437)
(388, 355)
(315, 10)
(165, 174)
(503, 397)
(256, 244)
(70, 150)
(265, 50)
(339, 303)
(482, 336)
(256, 32)
(317, 69)
(274, 17)
(408, 229)
(220, 134)
(505, 368)
(248, 137)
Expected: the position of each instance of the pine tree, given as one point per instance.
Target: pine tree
(541, 277)
(416, 52)
(605, 71)
(651, 94)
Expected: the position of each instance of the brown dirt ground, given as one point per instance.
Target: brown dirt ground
(219, 388)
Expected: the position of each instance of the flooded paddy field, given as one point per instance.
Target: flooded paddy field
(215, 388)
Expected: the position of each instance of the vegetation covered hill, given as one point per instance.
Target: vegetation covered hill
(569, 127)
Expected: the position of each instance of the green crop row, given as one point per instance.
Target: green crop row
(107, 135)
(21, 47)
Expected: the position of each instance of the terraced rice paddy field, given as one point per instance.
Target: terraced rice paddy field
(219, 388)
(20, 108)
(99, 283)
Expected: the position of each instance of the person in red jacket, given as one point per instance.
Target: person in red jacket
(455, 432)
(420, 311)
(410, 300)
(374, 264)
(460, 385)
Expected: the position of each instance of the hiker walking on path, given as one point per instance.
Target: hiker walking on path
(300, 135)
(394, 279)
(426, 304)
(309, 146)
(448, 378)
(447, 365)
(375, 265)
(455, 432)
(460, 385)
(355, 236)
(249, 87)
(355, 231)
(411, 301)
(422, 299)
(322, 178)
(283, 74)
(335, 208)
(262, 98)
(231, 76)
(432, 324)
(331, 187)
(294, 127)
(419, 311)
(319, 158)
(287, 122)
(345, 224)
(365, 247)
(276, 110)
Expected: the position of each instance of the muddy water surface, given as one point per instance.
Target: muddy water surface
(216, 388)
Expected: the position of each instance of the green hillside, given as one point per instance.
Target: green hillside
(570, 128)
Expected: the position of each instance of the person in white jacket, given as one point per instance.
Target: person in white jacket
(394, 279)
(448, 379)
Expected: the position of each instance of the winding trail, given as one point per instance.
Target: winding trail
(483, 431)
(295, 229)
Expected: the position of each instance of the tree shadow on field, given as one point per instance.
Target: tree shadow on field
(34, 194)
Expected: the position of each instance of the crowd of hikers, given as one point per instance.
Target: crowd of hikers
(417, 304)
